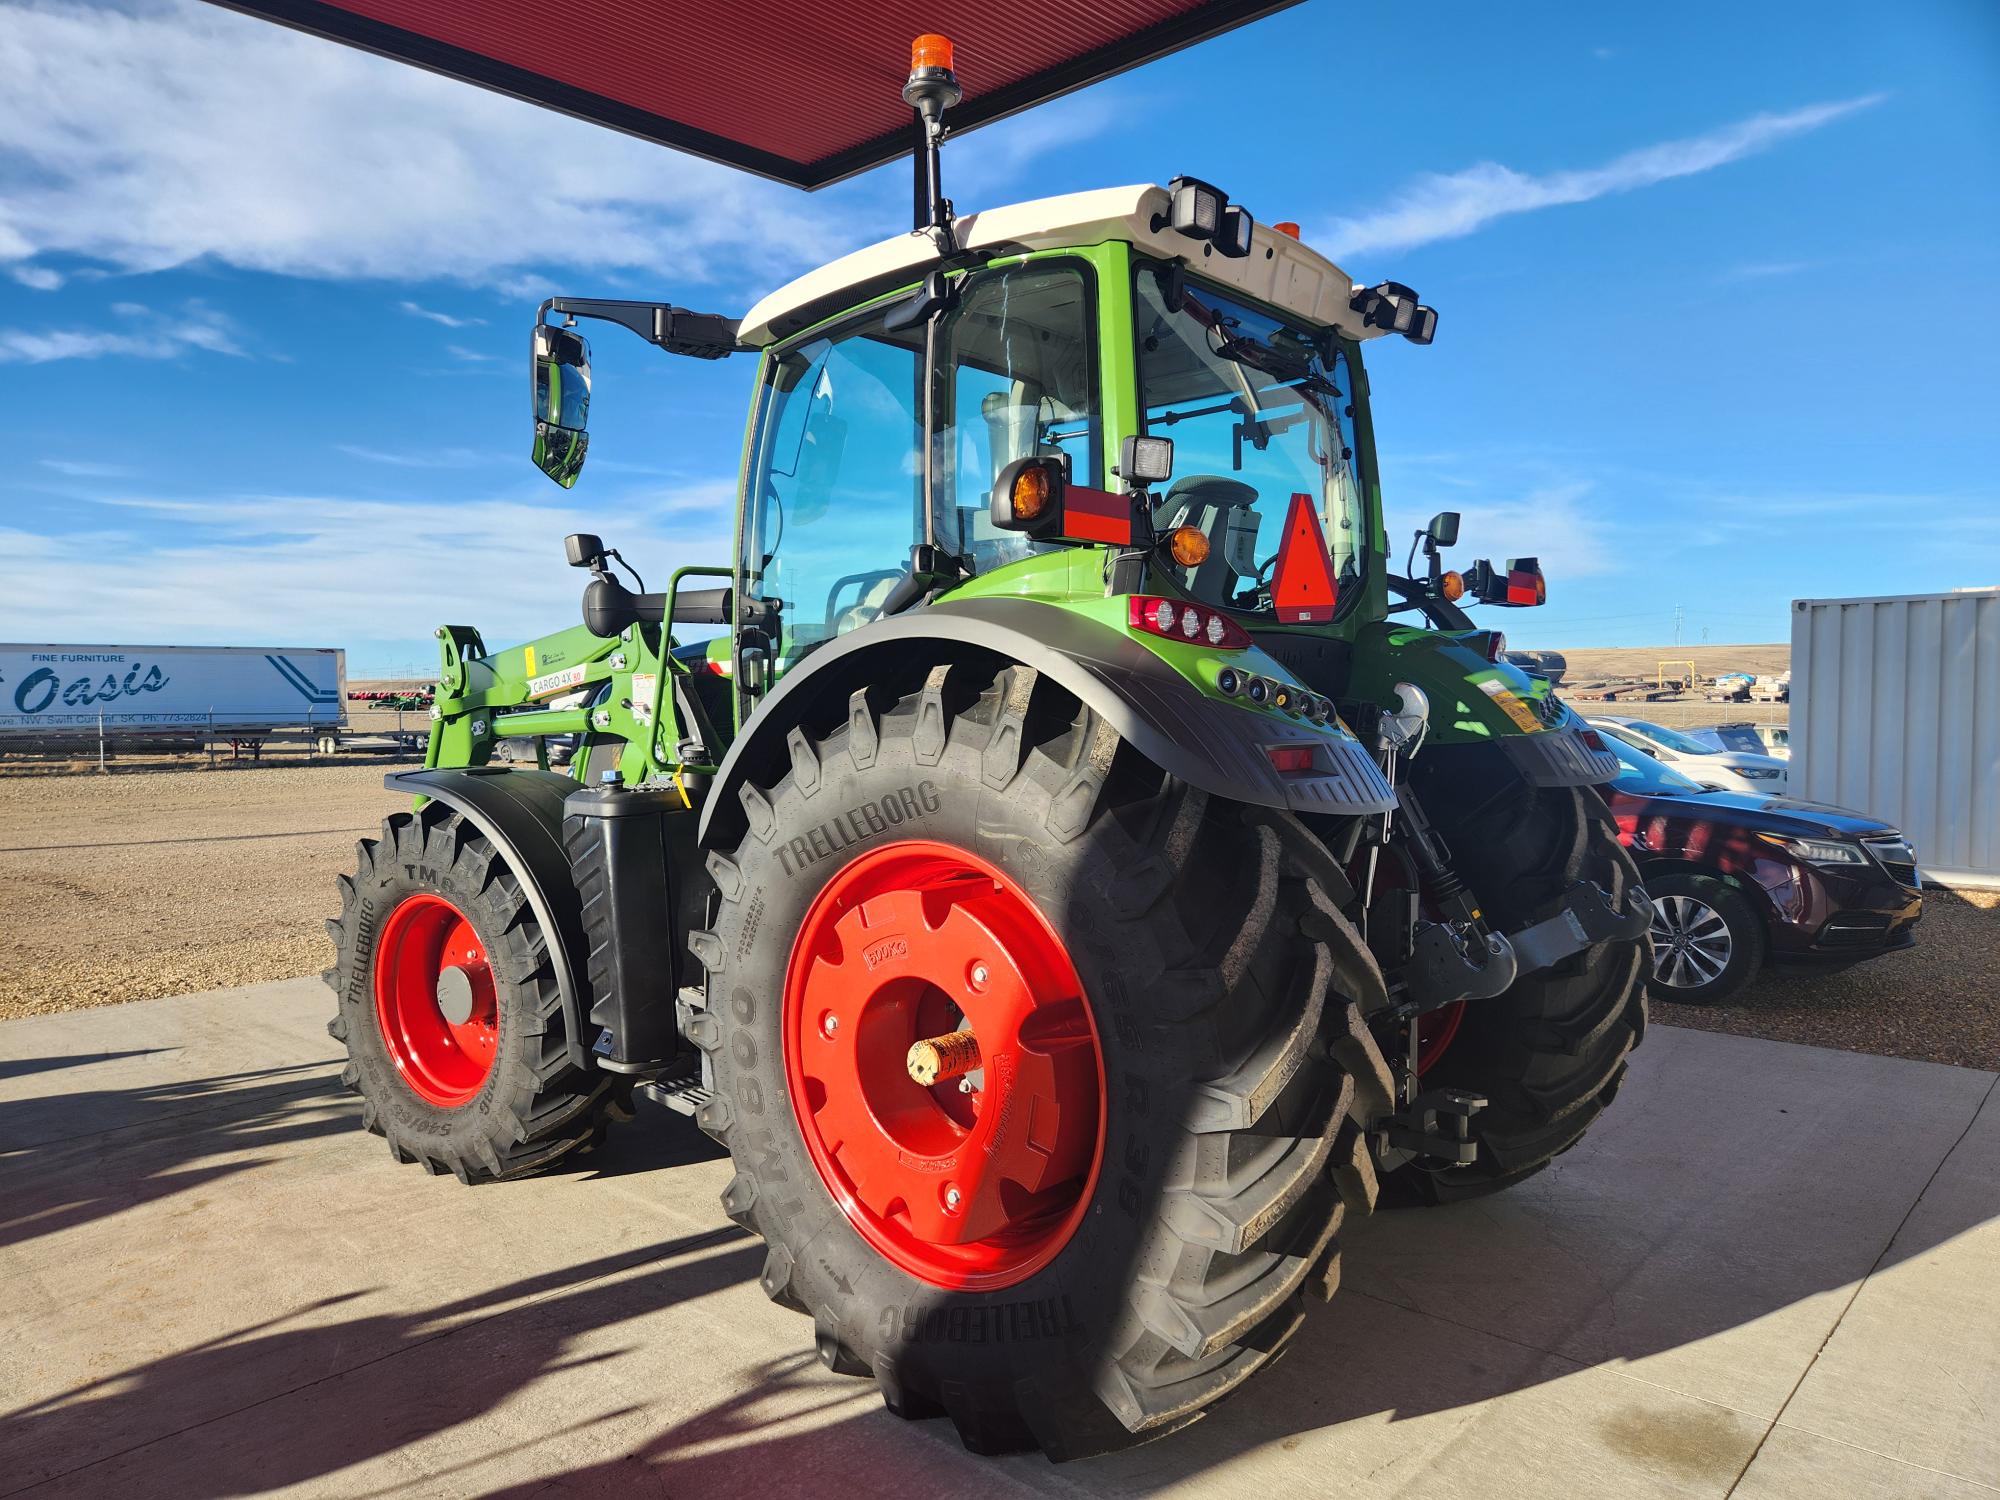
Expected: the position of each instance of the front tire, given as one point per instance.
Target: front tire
(455, 1032)
(1707, 940)
(1211, 1136)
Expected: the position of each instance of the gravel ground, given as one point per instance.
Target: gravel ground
(1938, 1002)
(128, 886)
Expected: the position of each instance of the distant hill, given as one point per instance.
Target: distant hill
(1587, 662)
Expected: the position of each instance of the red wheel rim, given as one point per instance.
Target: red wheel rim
(434, 1000)
(1435, 1029)
(967, 1188)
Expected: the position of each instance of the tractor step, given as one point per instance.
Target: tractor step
(685, 1091)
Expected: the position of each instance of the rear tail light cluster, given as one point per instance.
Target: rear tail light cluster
(1178, 620)
(1267, 692)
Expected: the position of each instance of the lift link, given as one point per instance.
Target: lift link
(1459, 958)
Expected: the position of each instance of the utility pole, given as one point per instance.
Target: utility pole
(1680, 610)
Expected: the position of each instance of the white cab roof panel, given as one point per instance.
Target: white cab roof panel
(1278, 270)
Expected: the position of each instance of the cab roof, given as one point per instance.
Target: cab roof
(1279, 270)
(807, 93)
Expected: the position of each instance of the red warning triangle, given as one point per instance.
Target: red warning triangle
(1304, 590)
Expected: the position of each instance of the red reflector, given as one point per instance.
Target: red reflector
(1304, 591)
(1097, 516)
(1178, 620)
(1291, 759)
(1594, 740)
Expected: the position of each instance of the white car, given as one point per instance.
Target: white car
(1708, 765)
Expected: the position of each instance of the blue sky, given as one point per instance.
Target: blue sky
(1719, 320)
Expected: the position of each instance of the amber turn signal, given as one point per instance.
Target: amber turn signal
(1188, 546)
(1031, 493)
(930, 51)
(1452, 586)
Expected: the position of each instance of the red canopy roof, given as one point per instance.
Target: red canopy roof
(807, 93)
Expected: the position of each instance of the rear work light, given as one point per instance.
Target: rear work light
(1178, 620)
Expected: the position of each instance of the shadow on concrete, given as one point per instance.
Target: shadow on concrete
(152, 1141)
(1632, 1247)
(21, 1067)
(278, 1405)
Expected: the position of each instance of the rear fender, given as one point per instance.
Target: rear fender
(1210, 743)
(520, 811)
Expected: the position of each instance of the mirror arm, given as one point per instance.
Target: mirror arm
(677, 330)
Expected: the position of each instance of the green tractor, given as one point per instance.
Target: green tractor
(1058, 857)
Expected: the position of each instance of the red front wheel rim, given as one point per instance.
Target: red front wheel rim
(435, 1002)
(971, 1183)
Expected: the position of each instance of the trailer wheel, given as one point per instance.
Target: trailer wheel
(1112, 1220)
(449, 1009)
(1549, 1053)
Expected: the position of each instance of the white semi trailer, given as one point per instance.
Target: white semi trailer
(52, 696)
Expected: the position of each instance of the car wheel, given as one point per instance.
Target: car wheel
(1707, 940)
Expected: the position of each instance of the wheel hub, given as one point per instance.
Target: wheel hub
(1691, 941)
(944, 1065)
(435, 1000)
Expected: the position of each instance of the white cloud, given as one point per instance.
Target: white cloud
(146, 335)
(155, 138)
(425, 458)
(1443, 206)
(82, 469)
(416, 311)
(40, 278)
(1764, 269)
(312, 569)
(459, 351)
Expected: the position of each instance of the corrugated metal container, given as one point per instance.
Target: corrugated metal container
(1896, 712)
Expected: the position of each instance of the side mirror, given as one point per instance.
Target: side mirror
(1443, 530)
(1521, 586)
(583, 550)
(561, 395)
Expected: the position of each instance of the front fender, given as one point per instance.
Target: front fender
(1207, 742)
(520, 811)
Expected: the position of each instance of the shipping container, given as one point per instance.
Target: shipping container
(1896, 712)
(53, 694)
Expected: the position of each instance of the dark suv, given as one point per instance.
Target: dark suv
(1738, 880)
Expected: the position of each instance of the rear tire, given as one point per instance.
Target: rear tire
(1548, 1053)
(1227, 998)
(421, 1090)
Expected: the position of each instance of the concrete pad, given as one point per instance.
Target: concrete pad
(1910, 1372)
(1706, 1235)
(1794, 1463)
(212, 1283)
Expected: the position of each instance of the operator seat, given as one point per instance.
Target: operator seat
(1204, 501)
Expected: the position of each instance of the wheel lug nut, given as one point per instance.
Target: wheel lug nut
(829, 1024)
(951, 1199)
(980, 976)
(965, 1085)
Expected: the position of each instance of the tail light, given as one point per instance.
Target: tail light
(1179, 620)
(1496, 645)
